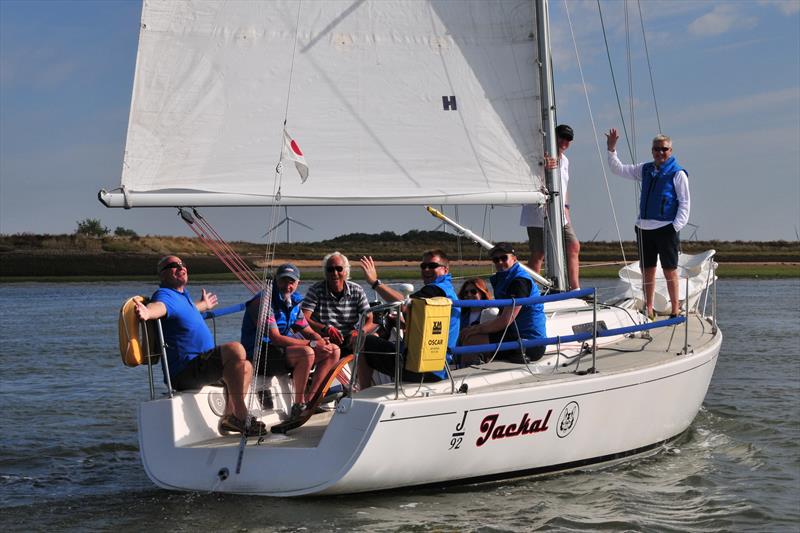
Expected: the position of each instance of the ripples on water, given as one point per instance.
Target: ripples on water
(70, 453)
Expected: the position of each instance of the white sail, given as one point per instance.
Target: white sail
(391, 102)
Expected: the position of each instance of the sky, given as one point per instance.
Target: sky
(727, 86)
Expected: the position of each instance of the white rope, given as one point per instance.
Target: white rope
(594, 131)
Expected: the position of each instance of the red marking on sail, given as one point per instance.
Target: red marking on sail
(295, 154)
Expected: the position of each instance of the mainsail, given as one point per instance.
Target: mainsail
(393, 102)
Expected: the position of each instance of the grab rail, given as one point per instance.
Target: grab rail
(231, 309)
(216, 313)
(530, 300)
(478, 348)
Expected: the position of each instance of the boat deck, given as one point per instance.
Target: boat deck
(640, 350)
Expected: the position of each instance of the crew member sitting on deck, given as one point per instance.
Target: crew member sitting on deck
(379, 353)
(514, 322)
(193, 359)
(475, 289)
(332, 306)
(293, 346)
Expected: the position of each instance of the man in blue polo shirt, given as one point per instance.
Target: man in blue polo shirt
(193, 359)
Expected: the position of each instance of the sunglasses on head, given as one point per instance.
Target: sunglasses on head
(664, 149)
(429, 266)
(499, 258)
(173, 264)
(471, 292)
(336, 268)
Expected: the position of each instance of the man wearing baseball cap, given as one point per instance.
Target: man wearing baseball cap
(534, 217)
(514, 322)
(293, 346)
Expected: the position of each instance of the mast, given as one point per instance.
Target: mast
(554, 240)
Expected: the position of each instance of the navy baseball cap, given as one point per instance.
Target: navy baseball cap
(287, 270)
(502, 248)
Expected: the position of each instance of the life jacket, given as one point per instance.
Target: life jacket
(285, 316)
(530, 320)
(446, 284)
(659, 201)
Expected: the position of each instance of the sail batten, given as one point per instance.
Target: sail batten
(393, 102)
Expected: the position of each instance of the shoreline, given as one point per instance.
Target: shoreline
(311, 270)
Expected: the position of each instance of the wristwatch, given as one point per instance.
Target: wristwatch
(377, 284)
(312, 343)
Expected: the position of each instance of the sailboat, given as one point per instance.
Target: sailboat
(393, 103)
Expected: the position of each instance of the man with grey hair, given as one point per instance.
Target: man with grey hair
(193, 359)
(663, 212)
(332, 306)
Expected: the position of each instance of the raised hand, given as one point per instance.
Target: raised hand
(611, 139)
(209, 300)
(368, 266)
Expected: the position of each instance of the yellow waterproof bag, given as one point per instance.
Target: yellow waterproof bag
(428, 332)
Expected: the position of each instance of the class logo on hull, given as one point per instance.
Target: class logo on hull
(567, 420)
(491, 430)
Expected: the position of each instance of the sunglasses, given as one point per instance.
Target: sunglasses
(429, 266)
(174, 264)
(337, 268)
(661, 149)
(471, 292)
(500, 258)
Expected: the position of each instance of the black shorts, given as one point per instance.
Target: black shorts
(662, 242)
(533, 353)
(205, 369)
(273, 362)
(380, 353)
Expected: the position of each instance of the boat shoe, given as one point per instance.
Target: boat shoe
(230, 424)
(297, 410)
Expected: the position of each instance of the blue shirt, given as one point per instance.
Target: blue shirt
(185, 331)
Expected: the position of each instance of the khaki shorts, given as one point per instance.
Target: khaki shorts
(536, 237)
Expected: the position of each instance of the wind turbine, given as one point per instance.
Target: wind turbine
(288, 221)
(442, 226)
(693, 236)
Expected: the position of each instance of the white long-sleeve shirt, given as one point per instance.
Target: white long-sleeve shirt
(681, 181)
(533, 215)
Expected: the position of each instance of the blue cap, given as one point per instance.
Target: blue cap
(288, 270)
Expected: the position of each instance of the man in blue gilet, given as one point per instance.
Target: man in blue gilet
(378, 353)
(663, 212)
(516, 322)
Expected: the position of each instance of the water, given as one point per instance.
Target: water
(70, 459)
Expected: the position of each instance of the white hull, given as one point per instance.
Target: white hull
(373, 442)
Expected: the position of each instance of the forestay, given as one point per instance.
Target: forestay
(392, 102)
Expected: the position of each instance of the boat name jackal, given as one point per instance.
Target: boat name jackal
(492, 431)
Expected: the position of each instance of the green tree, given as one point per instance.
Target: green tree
(124, 232)
(91, 227)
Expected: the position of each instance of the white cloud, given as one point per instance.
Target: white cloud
(787, 7)
(722, 19)
(782, 100)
